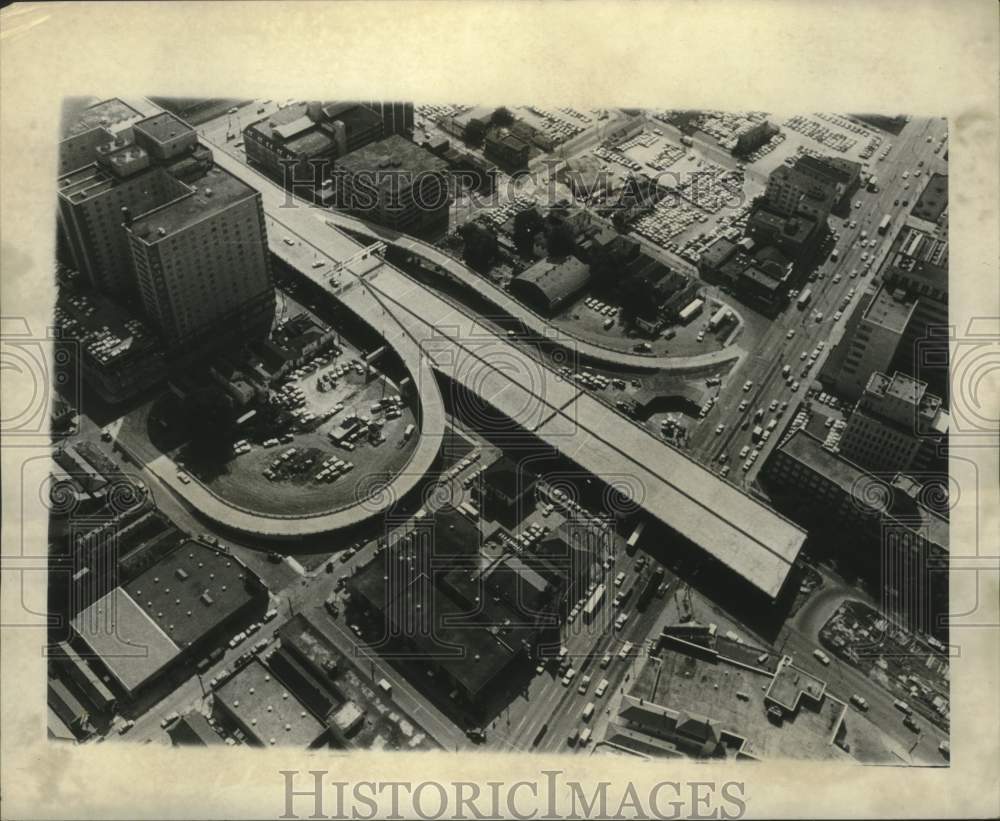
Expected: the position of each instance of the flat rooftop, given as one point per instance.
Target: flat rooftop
(163, 127)
(751, 539)
(905, 511)
(216, 190)
(130, 643)
(891, 310)
(310, 143)
(299, 634)
(85, 182)
(105, 330)
(933, 199)
(267, 710)
(684, 683)
(792, 684)
(393, 154)
(107, 114)
(190, 591)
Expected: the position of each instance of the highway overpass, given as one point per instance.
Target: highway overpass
(746, 536)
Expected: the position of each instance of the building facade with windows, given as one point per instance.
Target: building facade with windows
(897, 425)
(870, 342)
(397, 184)
(202, 265)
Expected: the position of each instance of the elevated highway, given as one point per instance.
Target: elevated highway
(751, 539)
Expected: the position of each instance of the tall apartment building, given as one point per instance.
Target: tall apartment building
(91, 203)
(202, 267)
(89, 125)
(397, 117)
(870, 341)
(896, 426)
(301, 138)
(134, 173)
(397, 184)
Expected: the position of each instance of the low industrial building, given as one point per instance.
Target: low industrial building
(549, 285)
(396, 184)
(509, 152)
(173, 612)
(193, 730)
(265, 712)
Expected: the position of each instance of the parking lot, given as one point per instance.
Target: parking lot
(595, 321)
(303, 470)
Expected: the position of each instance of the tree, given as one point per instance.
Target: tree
(480, 247)
(638, 299)
(526, 225)
(475, 132)
(561, 239)
(502, 117)
(211, 418)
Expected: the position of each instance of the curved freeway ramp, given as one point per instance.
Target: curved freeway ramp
(751, 539)
(376, 495)
(529, 319)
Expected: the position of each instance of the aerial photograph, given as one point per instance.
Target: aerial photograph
(469, 427)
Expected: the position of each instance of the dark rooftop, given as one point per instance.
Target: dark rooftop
(933, 199)
(191, 590)
(194, 729)
(508, 477)
(216, 190)
(796, 228)
(394, 153)
(898, 506)
(310, 144)
(891, 310)
(163, 127)
(718, 252)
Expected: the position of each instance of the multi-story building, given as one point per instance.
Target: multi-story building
(896, 425)
(797, 236)
(918, 264)
(397, 117)
(134, 172)
(118, 356)
(812, 187)
(889, 532)
(870, 341)
(507, 151)
(299, 143)
(397, 184)
(202, 265)
(92, 125)
(92, 202)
